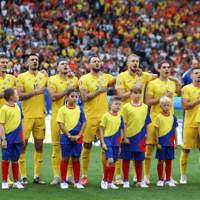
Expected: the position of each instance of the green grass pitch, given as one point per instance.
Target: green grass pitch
(93, 191)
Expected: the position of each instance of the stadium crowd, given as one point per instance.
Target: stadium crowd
(53, 29)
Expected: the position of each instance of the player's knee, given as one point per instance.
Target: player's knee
(110, 162)
(88, 146)
(38, 145)
(160, 161)
(186, 150)
(75, 159)
(24, 145)
(56, 149)
(66, 159)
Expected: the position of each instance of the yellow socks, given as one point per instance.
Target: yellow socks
(118, 166)
(56, 160)
(85, 160)
(134, 170)
(70, 167)
(103, 159)
(183, 162)
(22, 164)
(38, 160)
(147, 161)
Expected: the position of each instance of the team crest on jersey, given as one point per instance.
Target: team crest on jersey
(80, 83)
(9, 80)
(40, 78)
(171, 85)
(17, 81)
(147, 88)
(102, 79)
(119, 83)
(71, 82)
(182, 93)
(49, 83)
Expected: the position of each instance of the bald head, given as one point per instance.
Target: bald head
(194, 63)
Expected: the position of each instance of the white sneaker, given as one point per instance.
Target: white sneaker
(175, 182)
(64, 185)
(55, 181)
(135, 179)
(70, 180)
(5, 185)
(119, 180)
(170, 184)
(126, 184)
(78, 185)
(112, 186)
(160, 183)
(18, 185)
(147, 179)
(183, 179)
(104, 186)
(142, 185)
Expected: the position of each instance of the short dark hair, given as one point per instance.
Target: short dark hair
(70, 91)
(3, 56)
(114, 98)
(193, 69)
(32, 54)
(136, 89)
(94, 56)
(162, 62)
(8, 92)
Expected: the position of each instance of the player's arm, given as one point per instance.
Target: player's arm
(124, 95)
(175, 138)
(28, 95)
(189, 105)
(158, 146)
(66, 132)
(126, 140)
(81, 131)
(178, 82)
(85, 96)
(3, 136)
(147, 135)
(55, 96)
(103, 145)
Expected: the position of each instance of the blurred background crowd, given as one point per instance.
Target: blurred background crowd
(112, 29)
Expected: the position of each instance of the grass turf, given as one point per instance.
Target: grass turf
(179, 114)
(93, 191)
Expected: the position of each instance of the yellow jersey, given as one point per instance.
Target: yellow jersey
(156, 89)
(126, 81)
(59, 84)
(98, 106)
(7, 81)
(191, 93)
(33, 107)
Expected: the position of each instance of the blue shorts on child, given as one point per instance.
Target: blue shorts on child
(112, 152)
(130, 155)
(71, 149)
(166, 153)
(12, 152)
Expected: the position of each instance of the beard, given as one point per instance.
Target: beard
(34, 69)
(96, 69)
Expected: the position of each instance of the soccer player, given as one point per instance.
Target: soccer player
(6, 80)
(156, 89)
(165, 131)
(110, 132)
(93, 92)
(190, 103)
(30, 86)
(57, 88)
(72, 123)
(12, 136)
(137, 126)
(125, 80)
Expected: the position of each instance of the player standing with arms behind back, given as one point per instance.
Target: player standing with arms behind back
(30, 86)
(93, 92)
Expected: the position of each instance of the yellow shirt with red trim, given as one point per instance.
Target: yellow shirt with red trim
(59, 84)
(98, 106)
(11, 118)
(156, 89)
(112, 132)
(33, 107)
(136, 118)
(126, 81)
(7, 81)
(166, 125)
(191, 93)
(72, 118)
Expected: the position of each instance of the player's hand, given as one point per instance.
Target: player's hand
(77, 137)
(139, 85)
(146, 142)
(73, 138)
(126, 141)
(70, 86)
(175, 146)
(139, 72)
(158, 146)
(178, 84)
(104, 147)
(102, 88)
(71, 74)
(4, 144)
(119, 152)
(39, 90)
(44, 72)
(168, 94)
